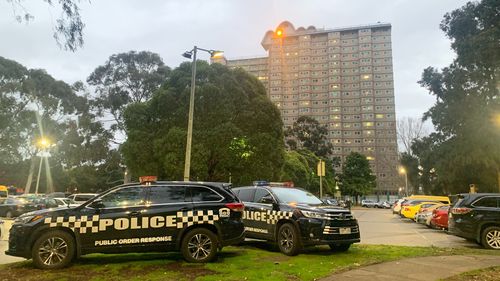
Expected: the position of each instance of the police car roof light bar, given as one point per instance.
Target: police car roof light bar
(147, 179)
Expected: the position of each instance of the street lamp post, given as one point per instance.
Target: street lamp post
(43, 143)
(192, 54)
(402, 170)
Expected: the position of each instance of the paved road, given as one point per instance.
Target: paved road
(380, 226)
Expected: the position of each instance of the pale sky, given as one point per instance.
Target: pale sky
(170, 27)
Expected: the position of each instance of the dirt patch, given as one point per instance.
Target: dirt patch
(190, 271)
(487, 274)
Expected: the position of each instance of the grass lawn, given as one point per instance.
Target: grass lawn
(485, 274)
(252, 261)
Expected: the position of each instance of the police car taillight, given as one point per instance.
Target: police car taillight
(237, 207)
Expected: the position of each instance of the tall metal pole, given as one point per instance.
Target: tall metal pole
(39, 172)
(187, 162)
(406, 184)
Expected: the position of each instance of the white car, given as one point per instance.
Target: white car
(80, 198)
(65, 202)
(368, 203)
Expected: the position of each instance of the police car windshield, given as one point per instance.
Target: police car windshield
(292, 195)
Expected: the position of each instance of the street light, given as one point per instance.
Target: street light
(189, 55)
(43, 143)
(402, 170)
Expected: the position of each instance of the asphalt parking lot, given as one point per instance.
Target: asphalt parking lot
(378, 226)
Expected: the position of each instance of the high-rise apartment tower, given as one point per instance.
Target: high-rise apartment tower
(342, 77)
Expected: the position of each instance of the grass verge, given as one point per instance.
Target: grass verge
(252, 261)
(485, 274)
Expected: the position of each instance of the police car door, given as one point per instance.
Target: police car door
(166, 203)
(113, 221)
(262, 205)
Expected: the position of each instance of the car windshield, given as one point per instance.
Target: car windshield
(293, 195)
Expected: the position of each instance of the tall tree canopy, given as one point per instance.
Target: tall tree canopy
(357, 178)
(127, 78)
(237, 131)
(467, 99)
(307, 133)
(69, 25)
(34, 104)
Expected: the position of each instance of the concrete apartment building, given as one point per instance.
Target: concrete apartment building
(342, 77)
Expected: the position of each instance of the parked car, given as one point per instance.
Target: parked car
(66, 202)
(383, 205)
(477, 217)
(294, 218)
(194, 218)
(56, 195)
(413, 207)
(396, 207)
(80, 198)
(11, 207)
(425, 213)
(440, 217)
(368, 203)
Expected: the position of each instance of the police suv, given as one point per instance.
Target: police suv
(294, 218)
(196, 218)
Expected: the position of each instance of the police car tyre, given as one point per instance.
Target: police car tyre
(339, 247)
(490, 238)
(199, 245)
(53, 250)
(288, 240)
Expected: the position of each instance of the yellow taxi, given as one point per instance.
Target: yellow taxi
(410, 210)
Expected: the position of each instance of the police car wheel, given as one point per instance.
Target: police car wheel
(199, 245)
(52, 250)
(288, 240)
(339, 247)
(9, 215)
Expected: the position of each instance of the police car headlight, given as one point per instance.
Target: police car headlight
(315, 215)
(27, 219)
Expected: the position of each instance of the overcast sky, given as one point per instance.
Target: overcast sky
(170, 27)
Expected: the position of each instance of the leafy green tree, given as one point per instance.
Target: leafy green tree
(357, 178)
(301, 168)
(34, 104)
(69, 25)
(307, 133)
(467, 100)
(127, 78)
(237, 131)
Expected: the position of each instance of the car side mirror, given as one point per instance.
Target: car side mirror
(266, 200)
(96, 204)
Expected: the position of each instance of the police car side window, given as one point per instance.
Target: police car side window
(259, 193)
(166, 194)
(202, 194)
(125, 197)
(246, 195)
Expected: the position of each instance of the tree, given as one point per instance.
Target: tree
(300, 168)
(357, 178)
(69, 25)
(127, 78)
(409, 129)
(34, 104)
(237, 131)
(307, 133)
(467, 99)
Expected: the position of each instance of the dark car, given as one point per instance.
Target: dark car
(294, 218)
(477, 217)
(12, 207)
(196, 218)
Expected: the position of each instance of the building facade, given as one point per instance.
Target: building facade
(343, 78)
